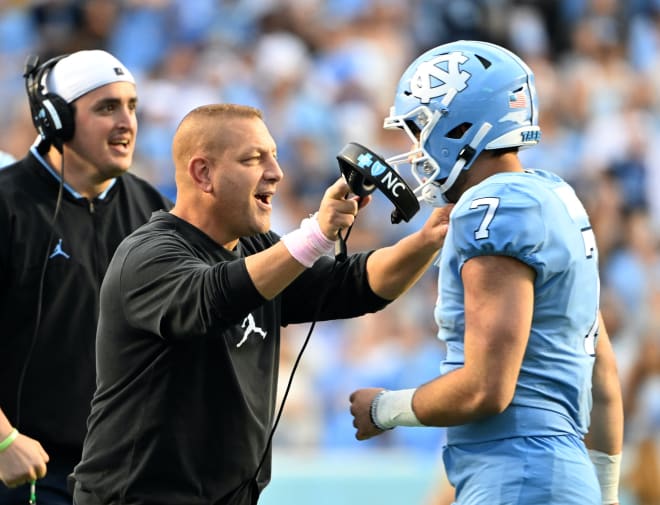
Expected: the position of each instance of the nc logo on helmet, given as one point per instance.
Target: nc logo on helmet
(434, 78)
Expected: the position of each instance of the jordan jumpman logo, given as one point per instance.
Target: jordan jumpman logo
(58, 251)
(250, 327)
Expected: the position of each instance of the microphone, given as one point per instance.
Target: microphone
(365, 171)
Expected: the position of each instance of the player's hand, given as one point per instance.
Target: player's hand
(337, 212)
(361, 411)
(22, 462)
(436, 226)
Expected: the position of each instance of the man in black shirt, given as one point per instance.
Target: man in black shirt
(64, 208)
(191, 310)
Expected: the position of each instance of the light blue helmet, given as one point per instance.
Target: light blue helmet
(456, 100)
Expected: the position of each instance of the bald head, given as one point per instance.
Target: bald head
(200, 132)
(226, 171)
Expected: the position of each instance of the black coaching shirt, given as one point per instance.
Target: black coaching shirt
(188, 354)
(57, 362)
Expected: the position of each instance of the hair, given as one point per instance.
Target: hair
(503, 150)
(192, 132)
(228, 110)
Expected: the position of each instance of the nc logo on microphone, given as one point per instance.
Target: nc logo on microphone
(377, 168)
(365, 171)
(366, 160)
(390, 180)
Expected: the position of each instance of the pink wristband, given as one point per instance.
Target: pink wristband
(308, 243)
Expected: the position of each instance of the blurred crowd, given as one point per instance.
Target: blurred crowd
(324, 72)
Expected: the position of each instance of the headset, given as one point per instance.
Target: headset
(51, 114)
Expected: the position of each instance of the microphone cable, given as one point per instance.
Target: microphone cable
(340, 255)
(40, 292)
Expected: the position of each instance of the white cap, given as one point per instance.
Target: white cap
(84, 71)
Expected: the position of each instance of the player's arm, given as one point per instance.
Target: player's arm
(22, 459)
(499, 302)
(392, 270)
(605, 437)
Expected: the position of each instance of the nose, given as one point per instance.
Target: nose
(126, 118)
(273, 171)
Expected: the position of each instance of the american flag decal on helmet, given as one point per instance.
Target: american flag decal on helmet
(518, 99)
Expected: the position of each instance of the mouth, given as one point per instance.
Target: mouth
(265, 199)
(121, 144)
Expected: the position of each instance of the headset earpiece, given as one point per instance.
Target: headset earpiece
(52, 116)
(55, 118)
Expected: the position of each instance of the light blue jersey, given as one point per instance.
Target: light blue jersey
(536, 218)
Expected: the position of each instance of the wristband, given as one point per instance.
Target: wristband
(308, 243)
(393, 408)
(372, 411)
(608, 469)
(4, 445)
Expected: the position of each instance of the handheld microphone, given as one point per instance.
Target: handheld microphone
(365, 171)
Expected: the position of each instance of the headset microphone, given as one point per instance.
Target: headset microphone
(31, 64)
(365, 171)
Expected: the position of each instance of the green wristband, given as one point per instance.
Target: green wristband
(4, 445)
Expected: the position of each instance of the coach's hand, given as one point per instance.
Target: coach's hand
(361, 411)
(436, 226)
(337, 211)
(22, 462)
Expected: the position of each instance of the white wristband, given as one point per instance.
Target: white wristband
(308, 243)
(393, 408)
(608, 469)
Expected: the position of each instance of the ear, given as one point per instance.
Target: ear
(200, 171)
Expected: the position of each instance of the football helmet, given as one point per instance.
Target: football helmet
(456, 100)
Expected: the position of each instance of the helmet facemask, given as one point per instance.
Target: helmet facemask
(417, 125)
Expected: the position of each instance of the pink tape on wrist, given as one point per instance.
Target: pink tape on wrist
(308, 243)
